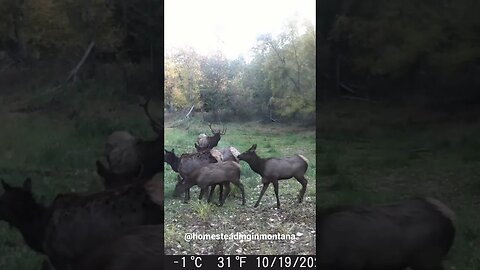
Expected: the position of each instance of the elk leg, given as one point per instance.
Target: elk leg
(202, 191)
(240, 186)
(220, 196)
(187, 196)
(224, 197)
(302, 180)
(227, 188)
(275, 188)
(212, 190)
(265, 185)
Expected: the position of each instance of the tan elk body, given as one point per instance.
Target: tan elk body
(212, 174)
(274, 169)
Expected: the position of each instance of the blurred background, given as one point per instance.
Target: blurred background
(71, 73)
(398, 108)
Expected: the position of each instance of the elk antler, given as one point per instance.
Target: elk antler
(157, 128)
(210, 126)
(224, 131)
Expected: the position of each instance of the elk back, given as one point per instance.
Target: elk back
(139, 248)
(79, 222)
(416, 233)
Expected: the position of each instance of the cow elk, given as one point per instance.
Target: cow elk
(274, 169)
(209, 142)
(213, 174)
(74, 224)
(416, 233)
(187, 163)
(131, 158)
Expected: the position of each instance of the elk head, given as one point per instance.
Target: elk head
(172, 159)
(209, 142)
(15, 201)
(249, 154)
(19, 209)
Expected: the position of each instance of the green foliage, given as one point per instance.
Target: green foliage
(278, 82)
(425, 45)
(202, 209)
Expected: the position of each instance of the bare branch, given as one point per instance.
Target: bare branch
(73, 73)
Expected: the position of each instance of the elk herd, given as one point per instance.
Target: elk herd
(121, 227)
(210, 167)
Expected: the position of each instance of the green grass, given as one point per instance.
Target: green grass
(200, 217)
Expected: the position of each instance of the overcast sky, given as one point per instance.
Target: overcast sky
(227, 25)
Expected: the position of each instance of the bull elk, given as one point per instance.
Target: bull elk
(209, 142)
(274, 169)
(132, 158)
(213, 174)
(416, 233)
(74, 224)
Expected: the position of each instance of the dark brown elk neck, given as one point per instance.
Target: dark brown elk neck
(150, 154)
(32, 226)
(213, 141)
(175, 163)
(257, 163)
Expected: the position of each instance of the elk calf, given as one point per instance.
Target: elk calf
(212, 174)
(417, 233)
(274, 169)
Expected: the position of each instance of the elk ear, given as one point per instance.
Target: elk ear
(173, 150)
(253, 148)
(6, 186)
(27, 184)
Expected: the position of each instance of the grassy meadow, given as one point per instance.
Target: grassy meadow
(370, 153)
(57, 148)
(272, 140)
